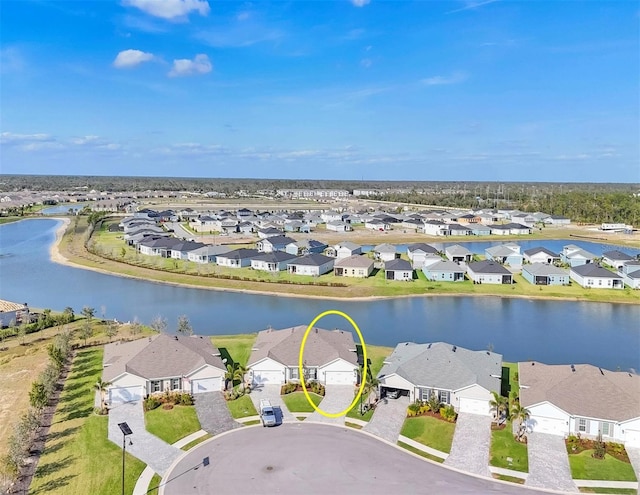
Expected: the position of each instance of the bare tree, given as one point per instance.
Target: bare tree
(111, 330)
(184, 326)
(86, 330)
(135, 327)
(159, 324)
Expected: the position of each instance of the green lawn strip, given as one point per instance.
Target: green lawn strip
(430, 431)
(242, 407)
(420, 452)
(354, 412)
(195, 442)
(172, 424)
(154, 484)
(353, 425)
(78, 457)
(252, 422)
(620, 491)
(297, 402)
(509, 370)
(585, 467)
(510, 479)
(376, 355)
(503, 446)
(238, 347)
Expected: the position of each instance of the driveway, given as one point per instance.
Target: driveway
(336, 399)
(213, 413)
(549, 463)
(156, 453)
(388, 418)
(272, 393)
(471, 444)
(634, 457)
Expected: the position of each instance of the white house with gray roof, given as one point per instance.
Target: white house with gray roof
(581, 399)
(458, 254)
(272, 262)
(356, 266)
(489, 272)
(312, 264)
(544, 274)
(161, 363)
(458, 376)
(329, 357)
(594, 276)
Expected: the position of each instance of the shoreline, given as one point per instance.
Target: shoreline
(57, 257)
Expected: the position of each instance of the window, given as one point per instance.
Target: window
(175, 383)
(582, 425)
(425, 394)
(156, 386)
(606, 429)
(311, 373)
(293, 373)
(443, 395)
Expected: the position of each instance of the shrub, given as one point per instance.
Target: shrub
(414, 408)
(448, 413)
(288, 388)
(151, 402)
(599, 450)
(186, 399)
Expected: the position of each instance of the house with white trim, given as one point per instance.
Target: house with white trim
(238, 258)
(541, 255)
(616, 258)
(398, 269)
(593, 276)
(312, 264)
(489, 272)
(356, 266)
(272, 262)
(575, 256)
(457, 376)
(544, 274)
(10, 311)
(458, 254)
(444, 271)
(631, 274)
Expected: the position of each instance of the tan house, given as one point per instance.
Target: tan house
(353, 266)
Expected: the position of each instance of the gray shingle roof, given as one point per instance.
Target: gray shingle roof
(384, 248)
(240, 254)
(487, 266)
(421, 246)
(594, 270)
(274, 257)
(457, 250)
(397, 265)
(322, 346)
(445, 266)
(437, 365)
(501, 250)
(355, 261)
(543, 269)
(348, 245)
(536, 250)
(617, 255)
(314, 259)
(588, 391)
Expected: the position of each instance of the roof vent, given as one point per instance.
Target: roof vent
(175, 337)
(488, 353)
(573, 368)
(454, 348)
(316, 330)
(601, 372)
(429, 346)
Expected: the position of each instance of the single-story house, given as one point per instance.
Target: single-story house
(269, 232)
(238, 258)
(581, 400)
(346, 249)
(10, 311)
(158, 245)
(458, 254)
(274, 243)
(510, 229)
(305, 246)
(455, 229)
(246, 228)
(435, 227)
(479, 229)
(616, 258)
(631, 274)
(339, 226)
(357, 266)
(418, 251)
(398, 270)
(596, 277)
(545, 274)
(375, 224)
(161, 363)
(207, 253)
(489, 272)
(457, 376)
(385, 252)
(444, 271)
(181, 250)
(556, 220)
(329, 357)
(541, 255)
(312, 264)
(508, 254)
(576, 256)
(274, 261)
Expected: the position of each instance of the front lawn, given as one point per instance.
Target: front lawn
(585, 467)
(504, 446)
(237, 347)
(242, 407)
(172, 424)
(297, 402)
(354, 412)
(430, 431)
(78, 457)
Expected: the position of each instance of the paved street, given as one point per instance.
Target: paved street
(272, 392)
(337, 398)
(213, 413)
(388, 418)
(548, 463)
(471, 444)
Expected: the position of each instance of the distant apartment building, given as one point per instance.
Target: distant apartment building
(312, 193)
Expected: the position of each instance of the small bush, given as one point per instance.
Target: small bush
(151, 402)
(185, 399)
(448, 413)
(288, 388)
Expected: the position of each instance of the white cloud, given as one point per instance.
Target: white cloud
(366, 63)
(13, 138)
(80, 141)
(360, 3)
(170, 9)
(131, 58)
(471, 5)
(455, 78)
(185, 67)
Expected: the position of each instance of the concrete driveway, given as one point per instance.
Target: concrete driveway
(156, 453)
(634, 457)
(471, 444)
(272, 393)
(315, 459)
(213, 413)
(336, 399)
(388, 418)
(549, 463)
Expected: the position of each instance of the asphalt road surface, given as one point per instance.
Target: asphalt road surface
(315, 459)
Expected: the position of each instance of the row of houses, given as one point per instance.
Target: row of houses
(561, 399)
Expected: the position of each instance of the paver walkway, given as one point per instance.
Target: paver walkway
(471, 444)
(272, 393)
(156, 453)
(388, 418)
(548, 463)
(213, 413)
(336, 399)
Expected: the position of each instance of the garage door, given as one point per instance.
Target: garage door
(474, 406)
(548, 425)
(267, 377)
(205, 385)
(632, 438)
(119, 395)
(339, 377)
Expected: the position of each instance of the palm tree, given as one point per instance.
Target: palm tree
(101, 386)
(520, 415)
(229, 376)
(499, 404)
(239, 374)
(372, 385)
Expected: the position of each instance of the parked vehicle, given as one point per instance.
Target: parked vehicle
(267, 414)
(392, 394)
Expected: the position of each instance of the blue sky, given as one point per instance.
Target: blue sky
(458, 90)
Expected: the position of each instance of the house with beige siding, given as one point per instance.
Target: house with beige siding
(356, 266)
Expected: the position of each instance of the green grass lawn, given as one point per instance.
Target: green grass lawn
(242, 407)
(354, 412)
(617, 491)
(504, 445)
(585, 467)
(77, 457)
(195, 442)
(153, 489)
(297, 402)
(512, 384)
(420, 452)
(172, 424)
(238, 347)
(430, 431)
(376, 355)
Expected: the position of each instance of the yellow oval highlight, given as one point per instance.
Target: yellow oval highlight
(363, 378)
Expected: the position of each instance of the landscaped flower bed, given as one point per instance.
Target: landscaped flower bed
(446, 413)
(576, 445)
(290, 387)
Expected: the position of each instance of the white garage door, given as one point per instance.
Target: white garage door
(474, 406)
(548, 425)
(339, 377)
(119, 395)
(267, 377)
(205, 385)
(632, 438)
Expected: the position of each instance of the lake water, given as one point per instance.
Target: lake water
(603, 334)
(62, 209)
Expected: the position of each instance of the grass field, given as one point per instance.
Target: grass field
(172, 424)
(238, 347)
(420, 452)
(585, 467)
(242, 407)
(195, 442)
(430, 431)
(297, 402)
(77, 457)
(504, 446)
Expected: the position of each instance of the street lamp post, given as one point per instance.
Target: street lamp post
(126, 431)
